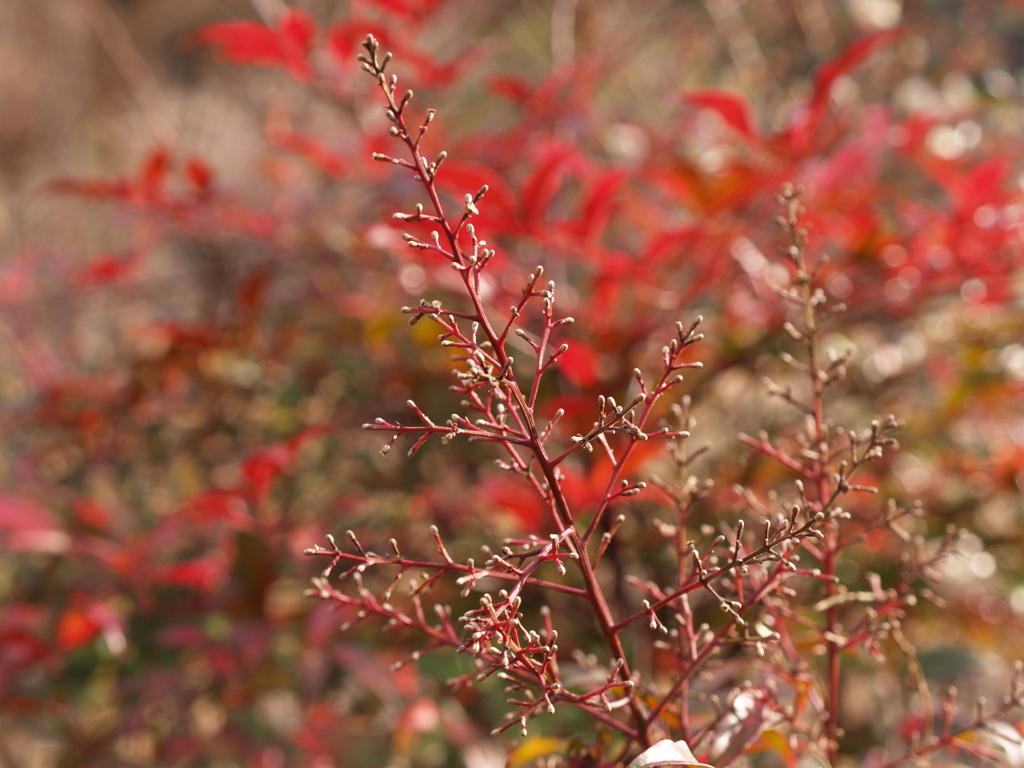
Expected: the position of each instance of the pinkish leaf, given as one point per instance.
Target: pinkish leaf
(26, 526)
(730, 105)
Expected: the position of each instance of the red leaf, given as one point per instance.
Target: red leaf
(106, 268)
(344, 40)
(219, 506)
(854, 54)
(540, 187)
(187, 335)
(280, 135)
(670, 243)
(515, 497)
(806, 122)
(584, 489)
(263, 467)
(258, 224)
(153, 175)
(75, 629)
(94, 514)
(497, 209)
(430, 73)
(730, 105)
(199, 177)
(307, 434)
(298, 28)
(202, 573)
(19, 648)
(17, 278)
(246, 42)
(147, 187)
(320, 155)
(251, 294)
(515, 89)
(982, 184)
(598, 206)
(579, 364)
(25, 526)
(88, 188)
(913, 726)
(250, 42)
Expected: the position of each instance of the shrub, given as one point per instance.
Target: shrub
(753, 638)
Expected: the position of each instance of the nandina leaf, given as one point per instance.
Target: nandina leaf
(670, 243)
(540, 187)
(218, 506)
(730, 105)
(26, 526)
(106, 268)
(598, 206)
(187, 335)
(854, 54)
(515, 89)
(199, 176)
(584, 490)
(263, 467)
(431, 73)
(18, 277)
(319, 154)
(202, 573)
(75, 629)
(153, 174)
(568, 89)
(100, 189)
(512, 495)
(854, 165)
(912, 135)
(250, 42)
(345, 39)
(307, 434)
(497, 208)
(19, 647)
(147, 187)
(257, 224)
(94, 514)
(579, 364)
(298, 28)
(420, 716)
(982, 184)
(912, 727)
(246, 42)
(807, 120)
(251, 294)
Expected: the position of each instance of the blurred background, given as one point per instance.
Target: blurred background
(200, 288)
